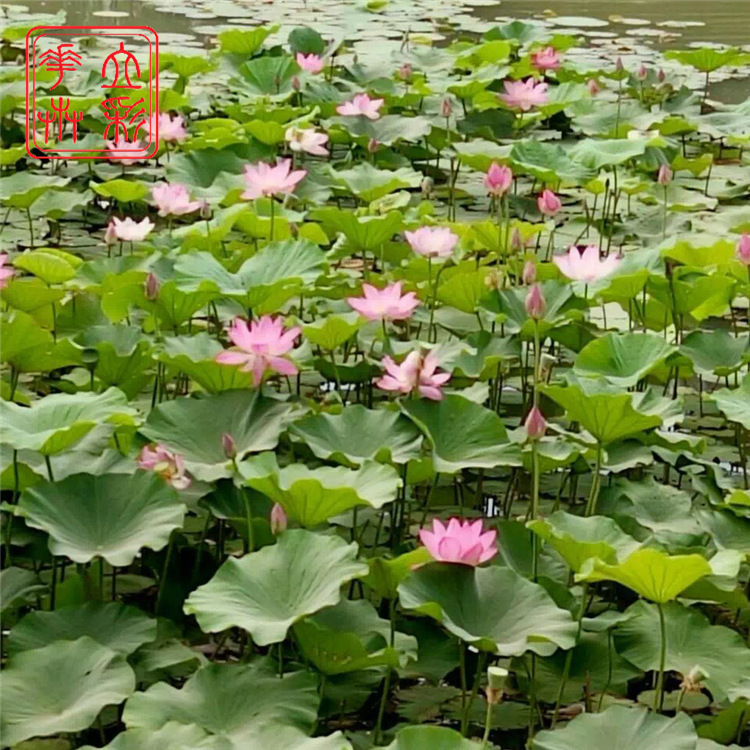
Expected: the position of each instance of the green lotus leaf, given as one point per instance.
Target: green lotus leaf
(386, 574)
(386, 130)
(110, 516)
(597, 154)
(242, 703)
(691, 641)
(116, 626)
(548, 162)
(194, 356)
(312, 496)
(359, 434)
(728, 531)
(609, 414)
(268, 77)
(22, 189)
(17, 587)
(245, 42)
(61, 688)
(493, 608)
(366, 233)
(51, 267)
(621, 728)
(29, 293)
(735, 403)
(578, 539)
(369, 183)
(651, 573)
(623, 358)
(715, 352)
(707, 59)
(194, 427)
(57, 422)
(29, 348)
(267, 591)
(123, 191)
(331, 332)
(464, 289)
(463, 434)
(172, 736)
(351, 636)
(430, 738)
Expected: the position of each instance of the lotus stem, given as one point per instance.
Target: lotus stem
(381, 710)
(474, 691)
(595, 483)
(659, 692)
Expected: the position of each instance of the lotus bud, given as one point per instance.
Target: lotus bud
(152, 286)
(536, 305)
(661, 75)
(497, 679)
(110, 236)
(229, 446)
(665, 175)
(205, 210)
(427, 186)
(528, 276)
(593, 86)
(404, 72)
(278, 519)
(493, 280)
(548, 203)
(642, 73)
(516, 243)
(619, 67)
(372, 145)
(446, 108)
(535, 424)
(296, 85)
(743, 250)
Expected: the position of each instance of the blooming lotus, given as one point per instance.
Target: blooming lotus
(164, 462)
(384, 304)
(587, 265)
(310, 63)
(463, 542)
(498, 179)
(361, 104)
(125, 151)
(265, 180)
(127, 230)
(524, 95)
(172, 129)
(5, 273)
(414, 373)
(432, 242)
(548, 203)
(173, 200)
(546, 59)
(742, 251)
(307, 140)
(261, 347)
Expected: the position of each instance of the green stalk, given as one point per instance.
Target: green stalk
(659, 692)
(595, 483)
(487, 726)
(474, 690)
(165, 569)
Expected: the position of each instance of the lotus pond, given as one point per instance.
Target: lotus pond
(402, 401)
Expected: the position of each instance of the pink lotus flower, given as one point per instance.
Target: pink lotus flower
(307, 140)
(125, 151)
(172, 129)
(278, 520)
(535, 424)
(546, 59)
(664, 177)
(535, 303)
(310, 63)
(587, 266)
(5, 273)
(361, 105)
(164, 462)
(528, 275)
(414, 373)
(524, 95)
(498, 179)
(593, 86)
(173, 200)
(261, 347)
(743, 249)
(548, 203)
(459, 542)
(384, 304)
(432, 242)
(265, 180)
(110, 234)
(127, 230)
(642, 73)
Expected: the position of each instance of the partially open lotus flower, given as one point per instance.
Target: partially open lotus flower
(166, 463)
(463, 542)
(361, 105)
(127, 230)
(546, 59)
(548, 203)
(261, 347)
(310, 63)
(384, 304)
(266, 180)
(173, 200)
(742, 251)
(6, 273)
(415, 373)
(498, 179)
(524, 95)
(586, 265)
(432, 242)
